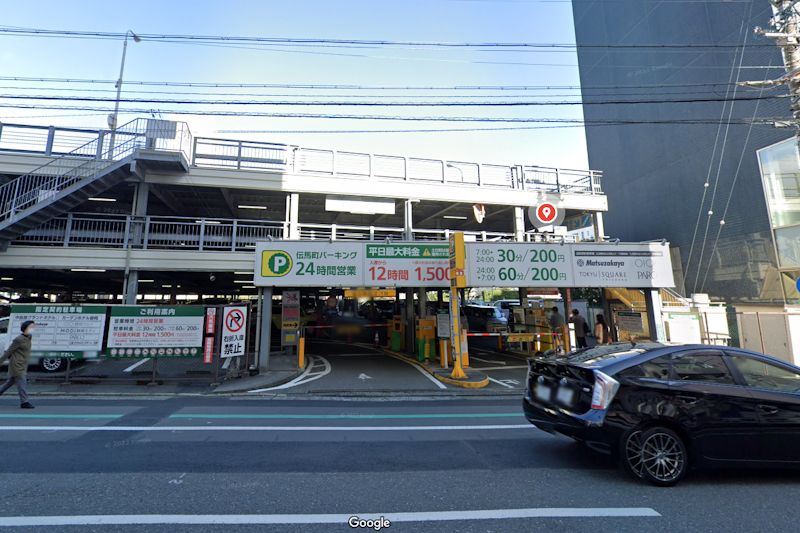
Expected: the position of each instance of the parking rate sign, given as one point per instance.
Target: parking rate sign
(148, 331)
(234, 331)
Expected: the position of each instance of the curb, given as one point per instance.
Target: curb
(479, 384)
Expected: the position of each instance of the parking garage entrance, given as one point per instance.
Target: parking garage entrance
(367, 305)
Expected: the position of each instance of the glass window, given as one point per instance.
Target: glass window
(780, 172)
(788, 241)
(698, 366)
(657, 368)
(763, 375)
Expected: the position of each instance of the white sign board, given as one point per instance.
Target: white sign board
(518, 265)
(407, 264)
(488, 264)
(309, 264)
(683, 328)
(234, 331)
(68, 331)
(630, 321)
(147, 331)
(443, 325)
(622, 265)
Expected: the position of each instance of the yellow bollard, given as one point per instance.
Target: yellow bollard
(301, 353)
(443, 353)
(464, 349)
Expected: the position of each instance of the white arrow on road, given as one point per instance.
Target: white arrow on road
(364, 377)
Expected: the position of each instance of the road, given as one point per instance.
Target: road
(254, 464)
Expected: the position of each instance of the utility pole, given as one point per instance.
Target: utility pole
(785, 30)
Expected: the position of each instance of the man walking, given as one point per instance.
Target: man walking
(18, 355)
(580, 328)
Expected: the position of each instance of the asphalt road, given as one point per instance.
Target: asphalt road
(243, 464)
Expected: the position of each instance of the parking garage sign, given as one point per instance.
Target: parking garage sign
(309, 264)
(148, 331)
(407, 265)
(69, 331)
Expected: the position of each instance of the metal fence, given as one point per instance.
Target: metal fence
(90, 160)
(192, 233)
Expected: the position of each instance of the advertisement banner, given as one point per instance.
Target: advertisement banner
(518, 265)
(146, 331)
(70, 331)
(309, 264)
(234, 331)
(622, 265)
(407, 265)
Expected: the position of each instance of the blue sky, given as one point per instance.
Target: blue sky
(431, 20)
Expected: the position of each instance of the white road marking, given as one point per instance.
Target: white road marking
(342, 519)
(427, 375)
(263, 428)
(363, 377)
(136, 365)
(499, 367)
(500, 382)
(227, 363)
(306, 376)
(488, 360)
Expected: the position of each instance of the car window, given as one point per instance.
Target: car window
(699, 366)
(657, 368)
(764, 375)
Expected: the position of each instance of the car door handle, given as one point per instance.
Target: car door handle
(689, 400)
(768, 409)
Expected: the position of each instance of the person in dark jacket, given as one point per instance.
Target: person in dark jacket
(18, 355)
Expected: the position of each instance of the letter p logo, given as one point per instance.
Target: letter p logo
(275, 263)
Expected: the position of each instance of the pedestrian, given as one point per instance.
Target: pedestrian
(556, 321)
(601, 331)
(580, 328)
(18, 355)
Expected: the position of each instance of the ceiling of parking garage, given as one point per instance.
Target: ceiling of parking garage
(243, 204)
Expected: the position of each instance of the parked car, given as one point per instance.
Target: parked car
(47, 364)
(505, 306)
(485, 318)
(663, 408)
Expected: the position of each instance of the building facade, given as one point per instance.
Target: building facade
(657, 156)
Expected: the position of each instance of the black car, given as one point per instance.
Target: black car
(663, 408)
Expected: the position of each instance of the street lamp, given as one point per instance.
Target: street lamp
(112, 119)
(460, 170)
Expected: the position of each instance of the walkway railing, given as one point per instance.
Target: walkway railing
(89, 160)
(186, 233)
(265, 156)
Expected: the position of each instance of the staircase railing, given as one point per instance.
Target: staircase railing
(90, 160)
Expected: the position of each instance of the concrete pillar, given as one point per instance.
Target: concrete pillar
(599, 230)
(422, 296)
(141, 195)
(408, 221)
(655, 319)
(411, 322)
(293, 215)
(265, 329)
(519, 224)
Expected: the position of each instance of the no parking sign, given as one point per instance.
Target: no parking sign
(234, 329)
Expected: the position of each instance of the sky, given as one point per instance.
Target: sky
(541, 21)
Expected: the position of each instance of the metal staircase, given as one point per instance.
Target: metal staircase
(67, 181)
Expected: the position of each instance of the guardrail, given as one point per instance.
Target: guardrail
(267, 156)
(192, 233)
(89, 160)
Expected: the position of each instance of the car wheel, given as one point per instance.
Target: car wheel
(53, 364)
(664, 457)
(631, 453)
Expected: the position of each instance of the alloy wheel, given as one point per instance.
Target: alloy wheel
(663, 456)
(633, 454)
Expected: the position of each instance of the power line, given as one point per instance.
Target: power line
(380, 104)
(40, 32)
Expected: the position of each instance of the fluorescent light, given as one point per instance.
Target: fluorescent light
(166, 286)
(243, 273)
(259, 207)
(101, 199)
(88, 269)
(454, 217)
(248, 286)
(146, 281)
(243, 281)
(6, 279)
(207, 222)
